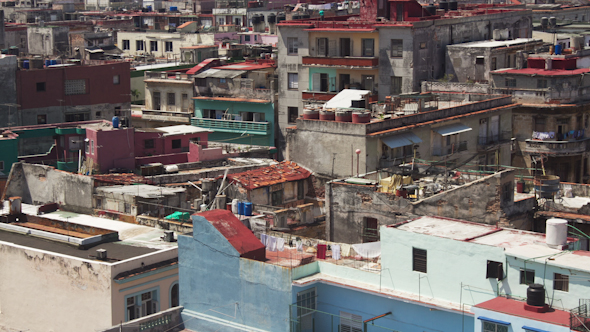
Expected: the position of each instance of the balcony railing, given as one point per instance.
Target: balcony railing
(151, 75)
(345, 62)
(488, 141)
(233, 126)
(556, 148)
(451, 149)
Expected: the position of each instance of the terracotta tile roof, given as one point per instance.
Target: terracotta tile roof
(284, 171)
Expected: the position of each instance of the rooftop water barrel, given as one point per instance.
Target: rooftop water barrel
(173, 9)
(272, 18)
(149, 8)
(344, 116)
(26, 64)
(234, 206)
(546, 185)
(255, 19)
(247, 209)
(361, 117)
(115, 121)
(431, 9)
(556, 232)
(557, 49)
(310, 113)
(453, 5)
(552, 22)
(327, 115)
(443, 5)
(36, 63)
(47, 63)
(535, 295)
(281, 17)
(544, 22)
(241, 208)
(52, 62)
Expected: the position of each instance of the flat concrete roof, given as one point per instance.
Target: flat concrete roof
(141, 190)
(182, 130)
(447, 228)
(498, 43)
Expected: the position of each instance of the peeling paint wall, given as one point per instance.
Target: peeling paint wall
(76, 294)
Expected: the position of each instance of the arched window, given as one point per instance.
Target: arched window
(174, 299)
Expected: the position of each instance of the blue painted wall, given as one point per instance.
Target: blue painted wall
(236, 108)
(213, 278)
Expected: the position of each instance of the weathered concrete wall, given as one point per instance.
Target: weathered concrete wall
(436, 86)
(48, 40)
(164, 321)
(482, 201)
(8, 114)
(57, 114)
(41, 291)
(39, 184)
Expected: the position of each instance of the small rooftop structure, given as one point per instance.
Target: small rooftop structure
(141, 190)
(267, 176)
(345, 97)
(181, 130)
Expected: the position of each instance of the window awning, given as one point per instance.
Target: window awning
(400, 140)
(493, 320)
(455, 128)
(533, 329)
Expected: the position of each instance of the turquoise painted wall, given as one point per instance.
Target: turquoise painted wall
(213, 279)
(332, 78)
(8, 153)
(236, 108)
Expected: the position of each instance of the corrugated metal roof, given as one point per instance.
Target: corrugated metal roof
(218, 73)
(452, 129)
(267, 176)
(400, 140)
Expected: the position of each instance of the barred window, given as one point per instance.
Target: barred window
(75, 87)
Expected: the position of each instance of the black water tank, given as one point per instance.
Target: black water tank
(281, 17)
(443, 5)
(272, 18)
(255, 19)
(535, 295)
(453, 5)
(431, 9)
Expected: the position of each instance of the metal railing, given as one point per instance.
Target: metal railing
(316, 320)
(232, 125)
(451, 149)
(536, 146)
(580, 316)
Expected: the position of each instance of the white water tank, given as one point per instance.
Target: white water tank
(556, 232)
(234, 206)
(171, 168)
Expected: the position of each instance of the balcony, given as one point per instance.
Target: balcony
(556, 148)
(233, 126)
(341, 62)
(166, 116)
(490, 142)
(449, 150)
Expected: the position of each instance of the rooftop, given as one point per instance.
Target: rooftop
(182, 130)
(248, 66)
(516, 308)
(542, 72)
(498, 43)
(284, 171)
(141, 190)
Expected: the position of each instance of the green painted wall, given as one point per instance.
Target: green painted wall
(332, 77)
(236, 108)
(8, 153)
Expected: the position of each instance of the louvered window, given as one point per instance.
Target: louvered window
(419, 260)
(350, 322)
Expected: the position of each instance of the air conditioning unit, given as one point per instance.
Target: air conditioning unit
(101, 254)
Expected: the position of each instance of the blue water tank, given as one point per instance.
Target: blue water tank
(247, 209)
(149, 8)
(558, 49)
(26, 64)
(173, 9)
(47, 63)
(241, 208)
(53, 62)
(115, 121)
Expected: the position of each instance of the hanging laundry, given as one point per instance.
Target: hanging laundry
(368, 250)
(280, 244)
(336, 251)
(321, 254)
(271, 243)
(263, 238)
(299, 245)
(345, 250)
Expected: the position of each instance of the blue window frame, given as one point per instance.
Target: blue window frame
(142, 303)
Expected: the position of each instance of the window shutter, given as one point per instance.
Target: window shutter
(316, 82)
(332, 48)
(350, 322)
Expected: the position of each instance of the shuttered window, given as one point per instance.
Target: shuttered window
(419, 260)
(350, 322)
(397, 48)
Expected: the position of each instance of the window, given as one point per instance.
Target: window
(541, 84)
(99, 203)
(125, 44)
(493, 327)
(127, 208)
(116, 79)
(156, 103)
(1, 165)
(479, 60)
(141, 304)
(40, 86)
(171, 99)
(153, 46)
(149, 143)
(292, 45)
(41, 118)
(293, 113)
(176, 144)
(510, 82)
(184, 101)
(169, 47)
(345, 47)
(174, 298)
(293, 81)
(540, 124)
(368, 47)
(75, 117)
(370, 230)
(75, 87)
(527, 277)
(92, 146)
(422, 46)
(495, 270)
(139, 45)
(350, 322)
(494, 65)
(396, 85)
(306, 302)
(419, 260)
(247, 38)
(322, 49)
(397, 48)
(561, 282)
